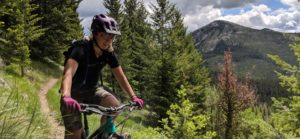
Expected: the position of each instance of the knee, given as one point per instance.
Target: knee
(114, 101)
(110, 101)
(76, 134)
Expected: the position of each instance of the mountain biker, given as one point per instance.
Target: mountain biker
(80, 78)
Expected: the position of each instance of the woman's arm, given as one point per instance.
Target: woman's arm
(69, 71)
(122, 80)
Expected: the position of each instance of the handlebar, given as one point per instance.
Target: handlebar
(109, 111)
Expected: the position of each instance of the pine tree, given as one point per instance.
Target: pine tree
(63, 25)
(236, 96)
(139, 33)
(132, 45)
(286, 117)
(74, 30)
(3, 11)
(189, 69)
(177, 61)
(163, 75)
(7, 20)
(183, 122)
(114, 9)
(21, 33)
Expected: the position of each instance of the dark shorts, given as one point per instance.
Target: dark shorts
(73, 121)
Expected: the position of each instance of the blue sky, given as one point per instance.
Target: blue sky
(274, 4)
(280, 15)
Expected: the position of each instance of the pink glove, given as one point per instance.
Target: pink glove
(71, 104)
(138, 100)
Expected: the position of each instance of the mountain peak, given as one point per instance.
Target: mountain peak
(218, 23)
(222, 26)
(267, 29)
(215, 32)
(219, 32)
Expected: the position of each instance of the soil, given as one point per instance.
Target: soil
(57, 129)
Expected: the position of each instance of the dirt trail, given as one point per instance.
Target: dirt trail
(57, 130)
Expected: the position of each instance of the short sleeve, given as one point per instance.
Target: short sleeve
(112, 59)
(76, 53)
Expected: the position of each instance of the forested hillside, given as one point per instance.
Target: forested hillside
(162, 63)
(250, 48)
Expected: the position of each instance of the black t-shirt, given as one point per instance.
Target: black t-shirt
(90, 73)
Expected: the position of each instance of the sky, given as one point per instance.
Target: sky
(279, 15)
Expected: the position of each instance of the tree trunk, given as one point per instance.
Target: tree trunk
(22, 71)
(229, 117)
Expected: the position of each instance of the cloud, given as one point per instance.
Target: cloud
(261, 16)
(232, 3)
(201, 17)
(198, 13)
(252, 18)
(291, 3)
(90, 7)
(86, 23)
(191, 6)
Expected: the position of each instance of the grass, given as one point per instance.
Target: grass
(46, 68)
(20, 110)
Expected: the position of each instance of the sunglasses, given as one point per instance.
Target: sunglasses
(108, 36)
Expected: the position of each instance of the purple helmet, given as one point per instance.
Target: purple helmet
(105, 23)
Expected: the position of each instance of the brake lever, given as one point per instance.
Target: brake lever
(133, 104)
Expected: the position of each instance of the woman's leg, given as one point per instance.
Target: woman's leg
(107, 99)
(72, 123)
(74, 135)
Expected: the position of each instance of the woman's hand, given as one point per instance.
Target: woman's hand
(71, 104)
(138, 101)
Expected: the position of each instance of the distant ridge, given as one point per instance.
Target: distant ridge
(249, 47)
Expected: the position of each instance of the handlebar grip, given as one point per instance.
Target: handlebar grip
(135, 104)
(83, 105)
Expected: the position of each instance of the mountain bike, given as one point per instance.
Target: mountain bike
(108, 129)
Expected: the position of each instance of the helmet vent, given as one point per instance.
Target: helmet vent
(103, 16)
(112, 23)
(106, 25)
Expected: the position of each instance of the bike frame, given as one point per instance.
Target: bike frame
(107, 130)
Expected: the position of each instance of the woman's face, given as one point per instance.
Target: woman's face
(104, 40)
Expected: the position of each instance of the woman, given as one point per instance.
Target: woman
(81, 75)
